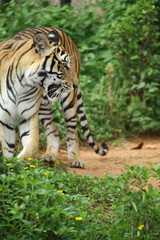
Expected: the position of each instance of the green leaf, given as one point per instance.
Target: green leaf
(134, 206)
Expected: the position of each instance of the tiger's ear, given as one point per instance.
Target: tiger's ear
(42, 44)
(54, 37)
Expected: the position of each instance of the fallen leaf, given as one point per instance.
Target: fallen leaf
(139, 146)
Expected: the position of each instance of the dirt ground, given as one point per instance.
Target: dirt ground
(113, 163)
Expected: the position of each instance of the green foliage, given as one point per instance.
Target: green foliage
(137, 205)
(119, 43)
(38, 202)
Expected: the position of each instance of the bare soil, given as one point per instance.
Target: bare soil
(127, 152)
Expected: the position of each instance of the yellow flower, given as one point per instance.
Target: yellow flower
(140, 227)
(109, 69)
(29, 159)
(47, 172)
(60, 191)
(8, 164)
(78, 218)
(16, 197)
(56, 161)
(25, 168)
(32, 165)
(1, 189)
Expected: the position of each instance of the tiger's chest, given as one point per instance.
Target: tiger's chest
(19, 106)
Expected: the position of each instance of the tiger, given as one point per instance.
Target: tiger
(39, 66)
(28, 68)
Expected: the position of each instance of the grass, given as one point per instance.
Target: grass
(42, 203)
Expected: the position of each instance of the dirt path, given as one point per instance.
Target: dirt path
(113, 162)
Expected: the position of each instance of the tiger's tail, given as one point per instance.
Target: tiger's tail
(84, 124)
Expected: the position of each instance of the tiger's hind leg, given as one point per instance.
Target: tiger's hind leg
(69, 104)
(46, 117)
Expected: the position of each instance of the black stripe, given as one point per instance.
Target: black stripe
(30, 92)
(40, 114)
(69, 138)
(45, 97)
(23, 121)
(31, 106)
(63, 39)
(10, 151)
(21, 45)
(45, 61)
(97, 150)
(9, 88)
(79, 96)
(45, 119)
(53, 132)
(28, 95)
(5, 110)
(11, 70)
(70, 126)
(9, 46)
(17, 38)
(3, 57)
(73, 153)
(22, 56)
(24, 35)
(70, 119)
(79, 108)
(88, 135)
(20, 78)
(10, 145)
(69, 106)
(25, 134)
(85, 128)
(64, 99)
(7, 126)
(92, 144)
(69, 130)
(83, 118)
(46, 109)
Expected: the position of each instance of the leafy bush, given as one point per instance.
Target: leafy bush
(119, 45)
(38, 202)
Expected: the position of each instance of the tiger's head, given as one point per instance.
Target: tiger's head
(54, 72)
(55, 85)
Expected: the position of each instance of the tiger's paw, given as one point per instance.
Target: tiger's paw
(51, 159)
(76, 164)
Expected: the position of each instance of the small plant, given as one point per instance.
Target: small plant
(38, 202)
(138, 204)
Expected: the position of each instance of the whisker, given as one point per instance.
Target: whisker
(50, 91)
(55, 93)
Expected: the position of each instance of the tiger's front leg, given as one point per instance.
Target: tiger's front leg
(46, 117)
(7, 139)
(69, 104)
(29, 134)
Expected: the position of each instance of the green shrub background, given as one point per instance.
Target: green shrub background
(119, 45)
